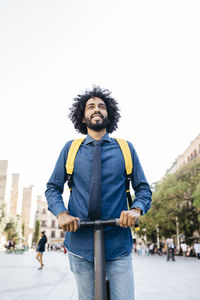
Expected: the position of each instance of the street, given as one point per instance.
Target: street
(154, 278)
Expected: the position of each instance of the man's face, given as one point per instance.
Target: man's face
(96, 115)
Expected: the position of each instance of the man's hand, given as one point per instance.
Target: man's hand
(67, 222)
(129, 217)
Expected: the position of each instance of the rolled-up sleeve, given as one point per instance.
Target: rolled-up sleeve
(55, 185)
(140, 185)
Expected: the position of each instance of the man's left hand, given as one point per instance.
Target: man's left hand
(129, 217)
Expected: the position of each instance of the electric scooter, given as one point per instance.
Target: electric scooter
(102, 286)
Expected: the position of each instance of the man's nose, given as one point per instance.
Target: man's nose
(96, 112)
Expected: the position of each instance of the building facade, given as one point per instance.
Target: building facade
(3, 182)
(49, 223)
(188, 155)
(3, 179)
(14, 194)
(11, 196)
(26, 214)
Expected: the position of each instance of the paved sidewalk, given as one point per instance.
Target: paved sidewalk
(21, 279)
(155, 278)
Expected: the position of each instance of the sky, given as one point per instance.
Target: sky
(146, 52)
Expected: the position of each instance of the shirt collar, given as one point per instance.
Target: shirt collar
(89, 139)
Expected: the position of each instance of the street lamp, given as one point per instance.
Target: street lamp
(177, 234)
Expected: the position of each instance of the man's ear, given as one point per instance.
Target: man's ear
(83, 121)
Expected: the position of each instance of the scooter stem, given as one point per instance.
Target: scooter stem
(99, 265)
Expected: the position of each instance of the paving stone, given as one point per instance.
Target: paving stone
(155, 279)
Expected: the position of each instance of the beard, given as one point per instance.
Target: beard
(98, 126)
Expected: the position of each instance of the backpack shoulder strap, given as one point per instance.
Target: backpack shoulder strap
(129, 167)
(127, 155)
(72, 155)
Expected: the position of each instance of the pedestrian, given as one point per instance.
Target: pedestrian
(165, 248)
(96, 114)
(151, 248)
(184, 248)
(9, 244)
(41, 248)
(13, 244)
(170, 250)
(197, 249)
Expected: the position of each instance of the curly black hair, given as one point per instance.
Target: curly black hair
(78, 108)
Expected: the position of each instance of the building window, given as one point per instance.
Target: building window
(62, 234)
(53, 234)
(195, 152)
(53, 224)
(44, 224)
(44, 211)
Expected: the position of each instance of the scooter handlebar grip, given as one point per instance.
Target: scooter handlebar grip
(136, 223)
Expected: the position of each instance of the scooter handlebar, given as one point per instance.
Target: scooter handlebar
(97, 223)
(100, 223)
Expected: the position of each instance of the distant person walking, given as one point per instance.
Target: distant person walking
(184, 248)
(170, 250)
(40, 249)
(9, 244)
(197, 249)
(151, 249)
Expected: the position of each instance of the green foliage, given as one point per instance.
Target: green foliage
(196, 196)
(36, 234)
(175, 198)
(23, 229)
(13, 229)
(2, 216)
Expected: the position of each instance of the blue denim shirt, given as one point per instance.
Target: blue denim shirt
(118, 241)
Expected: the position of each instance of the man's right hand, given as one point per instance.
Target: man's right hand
(67, 222)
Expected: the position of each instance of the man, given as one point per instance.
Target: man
(184, 248)
(197, 249)
(96, 114)
(170, 250)
(41, 248)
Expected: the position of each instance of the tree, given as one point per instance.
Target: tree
(2, 216)
(36, 233)
(13, 228)
(175, 198)
(23, 229)
(196, 196)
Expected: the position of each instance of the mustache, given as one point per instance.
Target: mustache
(96, 114)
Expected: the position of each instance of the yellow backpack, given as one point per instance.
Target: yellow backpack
(127, 158)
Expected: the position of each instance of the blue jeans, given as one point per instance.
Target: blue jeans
(118, 271)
